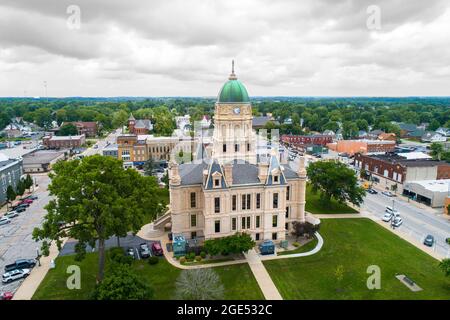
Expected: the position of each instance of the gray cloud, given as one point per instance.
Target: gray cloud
(181, 47)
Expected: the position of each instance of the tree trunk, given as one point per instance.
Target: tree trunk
(118, 241)
(101, 260)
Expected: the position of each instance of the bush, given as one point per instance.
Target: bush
(447, 240)
(191, 256)
(198, 258)
(118, 256)
(296, 244)
(183, 260)
(153, 260)
(203, 254)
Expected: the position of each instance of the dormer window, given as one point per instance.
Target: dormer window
(217, 180)
(276, 179)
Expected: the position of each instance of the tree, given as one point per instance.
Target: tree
(10, 194)
(68, 129)
(149, 166)
(119, 118)
(121, 283)
(20, 187)
(199, 284)
(95, 198)
(349, 130)
(436, 150)
(28, 181)
(445, 266)
(335, 180)
(237, 243)
(301, 229)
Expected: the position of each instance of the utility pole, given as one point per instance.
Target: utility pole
(45, 87)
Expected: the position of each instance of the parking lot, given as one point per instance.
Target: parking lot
(16, 237)
(129, 241)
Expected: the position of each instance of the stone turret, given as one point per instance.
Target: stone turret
(263, 171)
(174, 174)
(302, 174)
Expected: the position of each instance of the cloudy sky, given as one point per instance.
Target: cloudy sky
(185, 47)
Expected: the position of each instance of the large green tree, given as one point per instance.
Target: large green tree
(95, 199)
(445, 266)
(121, 283)
(237, 243)
(68, 129)
(10, 194)
(334, 179)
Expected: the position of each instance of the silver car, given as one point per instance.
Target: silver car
(15, 275)
(4, 220)
(11, 214)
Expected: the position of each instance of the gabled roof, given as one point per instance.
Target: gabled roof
(215, 169)
(274, 166)
(143, 123)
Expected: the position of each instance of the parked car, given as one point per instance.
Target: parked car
(31, 196)
(157, 249)
(372, 191)
(20, 209)
(15, 275)
(20, 205)
(144, 250)
(397, 222)
(28, 201)
(11, 214)
(387, 217)
(388, 194)
(4, 220)
(6, 295)
(130, 252)
(20, 264)
(391, 210)
(429, 240)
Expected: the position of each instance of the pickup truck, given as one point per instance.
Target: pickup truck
(21, 264)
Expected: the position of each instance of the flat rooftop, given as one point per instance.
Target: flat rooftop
(41, 156)
(399, 158)
(60, 138)
(434, 185)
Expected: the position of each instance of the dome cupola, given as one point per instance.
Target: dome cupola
(233, 91)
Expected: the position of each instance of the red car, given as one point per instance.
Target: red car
(156, 249)
(27, 201)
(6, 296)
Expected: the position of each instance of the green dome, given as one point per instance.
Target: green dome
(233, 91)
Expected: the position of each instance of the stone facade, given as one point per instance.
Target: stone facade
(235, 190)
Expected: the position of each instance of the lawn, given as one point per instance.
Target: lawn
(352, 245)
(314, 205)
(238, 280)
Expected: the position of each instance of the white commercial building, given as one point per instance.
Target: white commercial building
(430, 192)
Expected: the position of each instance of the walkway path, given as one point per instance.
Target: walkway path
(266, 284)
(297, 255)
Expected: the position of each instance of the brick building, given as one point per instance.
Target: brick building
(315, 139)
(394, 169)
(63, 142)
(140, 126)
(362, 146)
(88, 128)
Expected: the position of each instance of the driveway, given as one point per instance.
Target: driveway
(15, 238)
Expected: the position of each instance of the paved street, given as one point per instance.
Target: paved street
(110, 139)
(15, 238)
(417, 222)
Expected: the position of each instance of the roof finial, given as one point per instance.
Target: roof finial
(232, 75)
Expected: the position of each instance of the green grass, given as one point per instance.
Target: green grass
(304, 248)
(315, 206)
(356, 244)
(238, 280)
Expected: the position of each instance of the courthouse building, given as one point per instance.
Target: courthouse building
(234, 189)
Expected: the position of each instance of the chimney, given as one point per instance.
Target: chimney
(301, 167)
(228, 171)
(263, 169)
(174, 174)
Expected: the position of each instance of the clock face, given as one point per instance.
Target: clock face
(237, 110)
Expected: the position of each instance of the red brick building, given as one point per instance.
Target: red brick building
(390, 169)
(362, 146)
(63, 142)
(317, 139)
(88, 128)
(140, 126)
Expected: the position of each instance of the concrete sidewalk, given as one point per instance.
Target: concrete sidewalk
(266, 284)
(32, 282)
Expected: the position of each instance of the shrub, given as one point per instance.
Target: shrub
(190, 256)
(198, 258)
(183, 260)
(203, 254)
(296, 244)
(118, 256)
(153, 260)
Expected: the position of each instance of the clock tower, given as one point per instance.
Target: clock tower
(234, 138)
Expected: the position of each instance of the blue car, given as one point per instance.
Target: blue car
(429, 240)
